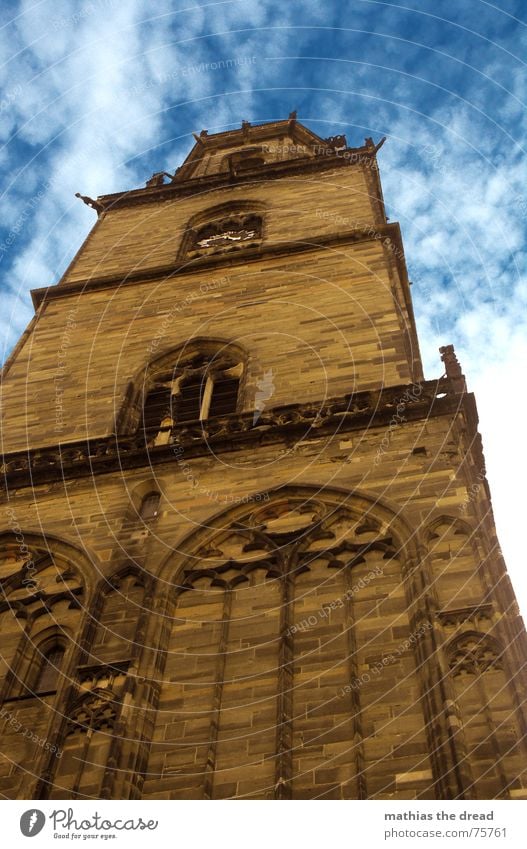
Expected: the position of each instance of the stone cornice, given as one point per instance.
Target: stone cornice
(222, 261)
(294, 422)
(273, 170)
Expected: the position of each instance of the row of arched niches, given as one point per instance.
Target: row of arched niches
(309, 646)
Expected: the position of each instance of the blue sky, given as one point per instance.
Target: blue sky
(99, 94)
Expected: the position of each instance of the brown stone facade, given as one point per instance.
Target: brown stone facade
(248, 551)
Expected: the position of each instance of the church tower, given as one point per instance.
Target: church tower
(247, 550)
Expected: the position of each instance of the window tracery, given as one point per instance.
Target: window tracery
(483, 690)
(474, 653)
(256, 596)
(95, 712)
(228, 232)
(41, 591)
(199, 387)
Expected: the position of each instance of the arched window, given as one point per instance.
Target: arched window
(483, 689)
(49, 671)
(149, 508)
(196, 388)
(86, 746)
(46, 593)
(227, 234)
(225, 228)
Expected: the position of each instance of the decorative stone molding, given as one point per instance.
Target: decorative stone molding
(474, 614)
(473, 653)
(337, 415)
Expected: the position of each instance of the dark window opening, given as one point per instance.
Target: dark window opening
(249, 162)
(156, 407)
(224, 397)
(150, 505)
(187, 406)
(49, 670)
(203, 387)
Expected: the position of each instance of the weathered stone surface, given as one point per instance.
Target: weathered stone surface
(318, 607)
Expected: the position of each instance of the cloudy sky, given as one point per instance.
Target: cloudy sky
(97, 95)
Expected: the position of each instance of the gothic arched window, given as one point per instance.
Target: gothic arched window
(247, 613)
(86, 746)
(196, 388)
(226, 228)
(45, 592)
(483, 690)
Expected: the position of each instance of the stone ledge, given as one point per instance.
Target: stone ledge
(231, 433)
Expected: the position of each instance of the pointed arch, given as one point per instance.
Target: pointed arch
(118, 610)
(193, 381)
(473, 650)
(459, 525)
(224, 227)
(271, 615)
(86, 745)
(22, 540)
(51, 664)
(388, 517)
(487, 707)
(43, 589)
(455, 562)
(46, 583)
(183, 353)
(106, 673)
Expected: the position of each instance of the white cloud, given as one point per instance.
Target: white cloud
(464, 231)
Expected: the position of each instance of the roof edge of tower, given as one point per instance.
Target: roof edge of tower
(327, 159)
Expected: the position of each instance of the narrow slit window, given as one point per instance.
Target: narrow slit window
(49, 670)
